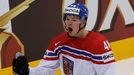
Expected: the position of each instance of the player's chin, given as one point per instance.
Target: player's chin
(71, 34)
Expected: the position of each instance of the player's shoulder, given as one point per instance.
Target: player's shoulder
(102, 47)
(97, 35)
(101, 43)
(59, 40)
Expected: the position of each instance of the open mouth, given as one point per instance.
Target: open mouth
(69, 29)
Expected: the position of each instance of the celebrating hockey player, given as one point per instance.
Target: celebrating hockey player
(76, 51)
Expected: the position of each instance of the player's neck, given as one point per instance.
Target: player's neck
(82, 34)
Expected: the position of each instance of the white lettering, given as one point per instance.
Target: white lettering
(93, 11)
(124, 7)
(69, 10)
(66, 3)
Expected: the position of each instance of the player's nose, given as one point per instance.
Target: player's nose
(69, 23)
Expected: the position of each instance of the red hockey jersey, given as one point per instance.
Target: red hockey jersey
(91, 55)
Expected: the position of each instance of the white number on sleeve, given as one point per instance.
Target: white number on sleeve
(106, 45)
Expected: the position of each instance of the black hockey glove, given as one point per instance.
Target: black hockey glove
(20, 65)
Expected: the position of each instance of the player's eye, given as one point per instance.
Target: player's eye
(74, 20)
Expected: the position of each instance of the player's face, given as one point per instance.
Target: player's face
(72, 24)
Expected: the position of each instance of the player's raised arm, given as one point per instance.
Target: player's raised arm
(47, 66)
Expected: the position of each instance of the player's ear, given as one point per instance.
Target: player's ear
(83, 24)
(64, 25)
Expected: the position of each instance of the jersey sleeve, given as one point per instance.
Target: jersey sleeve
(103, 51)
(106, 64)
(48, 64)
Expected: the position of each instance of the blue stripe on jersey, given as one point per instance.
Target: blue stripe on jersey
(55, 53)
(82, 53)
(74, 51)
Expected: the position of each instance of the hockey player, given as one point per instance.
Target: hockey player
(76, 51)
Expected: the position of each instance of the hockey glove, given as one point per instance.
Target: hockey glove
(20, 65)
